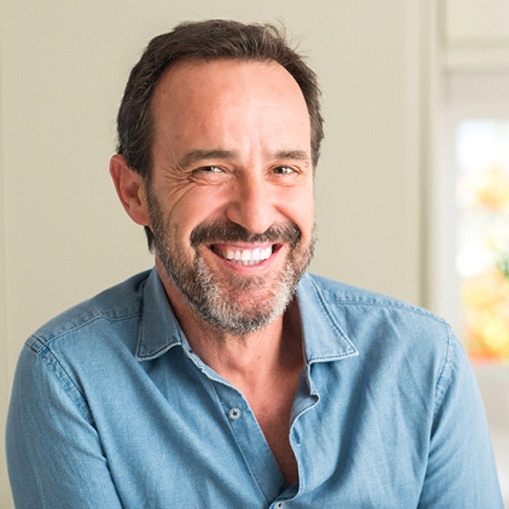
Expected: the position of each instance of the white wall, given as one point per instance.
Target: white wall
(476, 34)
(63, 66)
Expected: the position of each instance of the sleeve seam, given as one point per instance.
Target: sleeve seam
(68, 385)
(445, 376)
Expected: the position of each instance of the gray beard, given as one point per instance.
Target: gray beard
(216, 302)
(221, 309)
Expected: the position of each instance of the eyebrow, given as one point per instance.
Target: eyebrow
(195, 156)
(298, 155)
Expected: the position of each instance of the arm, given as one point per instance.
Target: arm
(53, 450)
(461, 469)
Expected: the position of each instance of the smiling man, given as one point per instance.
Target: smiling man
(227, 376)
(231, 202)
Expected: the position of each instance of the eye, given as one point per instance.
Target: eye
(210, 169)
(210, 174)
(283, 170)
(207, 171)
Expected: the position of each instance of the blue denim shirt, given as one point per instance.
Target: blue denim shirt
(111, 408)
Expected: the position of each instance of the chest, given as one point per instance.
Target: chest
(275, 425)
(162, 433)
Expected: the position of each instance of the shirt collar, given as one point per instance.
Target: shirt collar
(159, 329)
(324, 338)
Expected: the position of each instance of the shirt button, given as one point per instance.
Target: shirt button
(234, 413)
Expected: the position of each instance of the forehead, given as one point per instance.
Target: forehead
(197, 86)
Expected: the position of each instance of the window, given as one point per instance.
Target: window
(470, 243)
(482, 235)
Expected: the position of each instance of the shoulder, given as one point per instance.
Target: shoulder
(114, 305)
(393, 337)
(344, 295)
(373, 318)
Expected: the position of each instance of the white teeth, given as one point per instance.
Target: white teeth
(246, 256)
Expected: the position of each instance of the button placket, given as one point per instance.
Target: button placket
(251, 441)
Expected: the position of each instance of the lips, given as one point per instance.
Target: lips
(237, 245)
(243, 256)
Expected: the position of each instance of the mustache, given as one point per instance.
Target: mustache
(227, 231)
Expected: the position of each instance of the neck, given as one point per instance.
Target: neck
(241, 360)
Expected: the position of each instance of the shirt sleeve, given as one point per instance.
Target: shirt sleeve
(461, 469)
(54, 454)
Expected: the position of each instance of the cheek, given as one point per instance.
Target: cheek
(300, 209)
(197, 207)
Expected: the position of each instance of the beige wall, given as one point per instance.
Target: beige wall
(63, 66)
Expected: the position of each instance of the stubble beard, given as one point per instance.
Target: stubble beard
(233, 303)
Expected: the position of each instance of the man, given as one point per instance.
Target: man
(227, 377)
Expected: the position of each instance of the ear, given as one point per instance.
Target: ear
(130, 189)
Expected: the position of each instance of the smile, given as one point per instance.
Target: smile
(243, 256)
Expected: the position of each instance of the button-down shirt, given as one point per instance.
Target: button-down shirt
(111, 408)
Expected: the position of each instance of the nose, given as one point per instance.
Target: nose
(252, 204)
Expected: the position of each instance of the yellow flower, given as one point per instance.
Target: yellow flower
(492, 189)
(486, 305)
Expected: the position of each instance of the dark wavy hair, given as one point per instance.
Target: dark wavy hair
(205, 40)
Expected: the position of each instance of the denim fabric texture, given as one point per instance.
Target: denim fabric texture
(112, 409)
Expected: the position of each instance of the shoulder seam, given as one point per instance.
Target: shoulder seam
(391, 305)
(370, 300)
(45, 341)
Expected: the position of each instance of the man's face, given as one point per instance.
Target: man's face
(231, 191)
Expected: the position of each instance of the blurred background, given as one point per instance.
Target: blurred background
(412, 188)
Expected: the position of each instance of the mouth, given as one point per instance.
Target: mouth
(245, 256)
